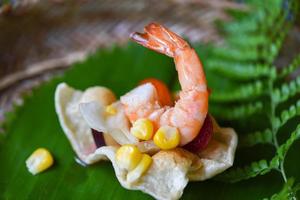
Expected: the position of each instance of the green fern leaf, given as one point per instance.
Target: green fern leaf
(286, 115)
(237, 174)
(270, 51)
(237, 54)
(292, 67)
(244, 92)
(248, 24)
(247, 40)
(287, 191)
(250, 171)
(245, 26)
(297, 188)
(273, 21)
(236, 112)
(240, 71)
(283, 149)
(259, 40)
(259, 137)
(252, 23)
(287, 90)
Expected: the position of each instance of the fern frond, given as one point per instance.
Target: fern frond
(251, 46)
(287, 192)
(287, 90)
(286, 115)
(244, 92)
(297, 187)
(292, 67)
(283, 148)
(242, 173)
(240, 71)
(237, 54)
(260, 167)
(260, 21)
(271, 50)
(244, 26)
(274, 4)
(268, 53)
(252, 170)
(259, 137)
(246, 40)
(258, 40)
(236, 112)
(250, 23)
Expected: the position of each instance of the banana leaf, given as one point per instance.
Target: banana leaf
(35, 124)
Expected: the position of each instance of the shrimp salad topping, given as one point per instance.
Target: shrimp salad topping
(150, 138)
(189, 112)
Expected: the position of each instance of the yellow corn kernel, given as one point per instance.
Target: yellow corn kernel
(110, 109)
(39, 160)
(166, 137)
(128, 157)
(140, 169)
(142, 129)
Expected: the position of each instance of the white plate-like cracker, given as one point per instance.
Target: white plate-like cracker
(170, 170)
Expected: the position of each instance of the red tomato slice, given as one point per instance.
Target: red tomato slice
(164, 94)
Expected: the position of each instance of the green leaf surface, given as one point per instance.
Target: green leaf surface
(36, 125)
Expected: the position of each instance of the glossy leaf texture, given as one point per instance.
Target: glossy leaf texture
(36, 125)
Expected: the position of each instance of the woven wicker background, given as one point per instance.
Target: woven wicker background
(39, 39)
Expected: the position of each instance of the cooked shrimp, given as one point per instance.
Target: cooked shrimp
(189, 112)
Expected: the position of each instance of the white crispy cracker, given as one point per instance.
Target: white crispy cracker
(116, 125)
(75, 128)
(170, 171)
(78, 132)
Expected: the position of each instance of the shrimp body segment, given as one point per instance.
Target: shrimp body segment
(189, 112)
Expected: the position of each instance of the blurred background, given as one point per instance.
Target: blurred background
(40, 39)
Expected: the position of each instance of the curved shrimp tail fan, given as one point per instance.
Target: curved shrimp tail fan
(160, 39)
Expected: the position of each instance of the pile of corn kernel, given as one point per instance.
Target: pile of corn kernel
(166, 137)
(129, 157)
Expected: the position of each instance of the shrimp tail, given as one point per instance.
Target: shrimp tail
(189, 112)
(160, 39)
